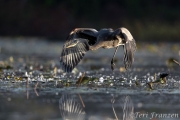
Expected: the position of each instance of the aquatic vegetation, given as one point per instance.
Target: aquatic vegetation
(122, 69)
(172, 62)
(85, 80)
(91, 79)
(161, 80)
(5, 65)
(46, 71)
(176, 62)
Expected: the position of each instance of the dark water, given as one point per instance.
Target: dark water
(34, 88)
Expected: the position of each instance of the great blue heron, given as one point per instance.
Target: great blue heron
(80, 40)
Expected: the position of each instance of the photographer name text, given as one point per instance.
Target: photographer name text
(156, 115)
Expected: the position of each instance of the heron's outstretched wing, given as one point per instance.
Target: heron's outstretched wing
(75, 47)
(85, 33)
(129, 46)
(129, 49)
(72, 53)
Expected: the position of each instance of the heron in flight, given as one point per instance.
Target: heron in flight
(81, 40)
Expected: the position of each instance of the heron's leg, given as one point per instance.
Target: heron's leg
(112, 61)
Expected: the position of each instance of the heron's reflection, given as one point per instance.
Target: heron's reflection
(70, 109)
(128, 109)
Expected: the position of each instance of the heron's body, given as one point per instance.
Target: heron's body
(105, 40)
(80, 40)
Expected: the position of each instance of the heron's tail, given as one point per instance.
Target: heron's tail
(129, 49)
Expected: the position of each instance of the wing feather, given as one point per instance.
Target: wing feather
(129, 49)
(71, 56)
(70, 59)
(75, 58)
(67, 60)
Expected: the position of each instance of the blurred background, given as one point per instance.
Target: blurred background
(32, 34)
(153, 20)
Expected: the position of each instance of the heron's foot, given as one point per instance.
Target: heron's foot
(112, 65)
